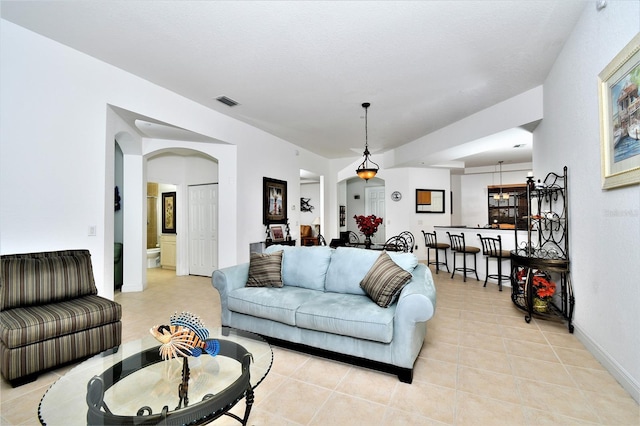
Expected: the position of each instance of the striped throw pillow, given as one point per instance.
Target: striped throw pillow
(264, 270)
(384, 281)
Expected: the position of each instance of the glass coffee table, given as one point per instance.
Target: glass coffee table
(135, 386)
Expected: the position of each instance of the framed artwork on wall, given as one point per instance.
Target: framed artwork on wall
(620, 118)
(168, 212)
(429, 200)
(274, 201)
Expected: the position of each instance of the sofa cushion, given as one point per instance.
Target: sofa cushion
(265, 270)
(23, 326)
(385, 280)
(348, 315)
(277, 304)
(36, 278)
(349, 265)
(305, 266)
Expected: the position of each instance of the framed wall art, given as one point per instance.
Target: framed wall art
(274, 203)
(168, 212)
(620, 118)
(429, 200)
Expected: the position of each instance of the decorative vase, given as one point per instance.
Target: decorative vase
(367, 241)
(540, 305)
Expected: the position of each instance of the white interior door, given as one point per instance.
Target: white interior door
(203, 229)
(374, 204)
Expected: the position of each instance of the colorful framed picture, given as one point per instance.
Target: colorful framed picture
(274, 203)
(168, 212)
(620, 118)
(429, 200)
(277, 233)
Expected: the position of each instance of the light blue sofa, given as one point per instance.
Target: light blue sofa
(322, 309)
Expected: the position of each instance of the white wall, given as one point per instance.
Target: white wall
(604, 225)
(403, 214)
(57, 177)
(474, 207)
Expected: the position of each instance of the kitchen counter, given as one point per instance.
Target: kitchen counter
(471, 239)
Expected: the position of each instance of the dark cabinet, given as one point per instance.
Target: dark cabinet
(505, 208)
(540, 265)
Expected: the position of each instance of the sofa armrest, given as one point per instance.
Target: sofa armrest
(230, 278)
(226, 280)
(417, 301)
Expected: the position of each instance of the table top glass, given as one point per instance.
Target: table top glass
(154, 385)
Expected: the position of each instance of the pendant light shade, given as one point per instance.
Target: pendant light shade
(367, 168)
(501, 195)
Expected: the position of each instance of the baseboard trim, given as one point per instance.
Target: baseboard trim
(610, 364)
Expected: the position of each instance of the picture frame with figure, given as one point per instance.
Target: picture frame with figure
(274, 201)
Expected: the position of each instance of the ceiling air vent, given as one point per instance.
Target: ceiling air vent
(227, 101)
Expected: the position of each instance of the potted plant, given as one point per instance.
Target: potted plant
(544, 289)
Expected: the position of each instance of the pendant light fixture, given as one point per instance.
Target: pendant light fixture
(366, 171)
(501, 196)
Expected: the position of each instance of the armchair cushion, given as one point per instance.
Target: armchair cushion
(32, 324)
(37, 278)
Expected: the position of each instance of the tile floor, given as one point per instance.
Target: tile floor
(481, 364)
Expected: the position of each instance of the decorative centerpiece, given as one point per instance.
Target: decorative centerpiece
(368, 225)
(544, 289)
(184, 336)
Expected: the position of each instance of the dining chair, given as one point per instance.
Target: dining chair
(353, 239)
(396, 243)
(408, 236)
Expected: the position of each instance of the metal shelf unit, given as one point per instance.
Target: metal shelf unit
(545, 253)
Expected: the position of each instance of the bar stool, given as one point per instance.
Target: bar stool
(431, 242)
(458, 246)
(492, 249)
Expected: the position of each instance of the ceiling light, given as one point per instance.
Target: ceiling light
(366, 171)
(502, 196)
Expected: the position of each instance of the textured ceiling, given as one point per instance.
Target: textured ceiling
(301, 69)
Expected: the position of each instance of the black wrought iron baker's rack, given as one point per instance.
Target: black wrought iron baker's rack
(545, 253)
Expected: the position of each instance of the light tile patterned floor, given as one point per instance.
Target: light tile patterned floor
(482, 364)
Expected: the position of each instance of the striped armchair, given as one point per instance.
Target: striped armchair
(51, 314)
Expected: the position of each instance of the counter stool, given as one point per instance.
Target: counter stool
(431, 242)
(458, 246)
(492, 249)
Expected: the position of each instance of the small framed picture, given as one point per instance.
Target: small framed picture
(168, 212)
(277, 233)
